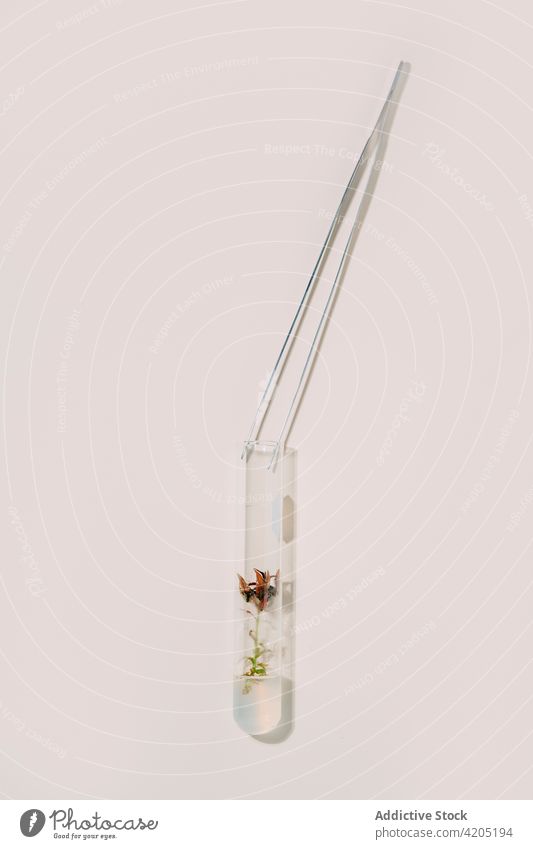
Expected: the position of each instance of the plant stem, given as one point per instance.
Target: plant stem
(256, 641)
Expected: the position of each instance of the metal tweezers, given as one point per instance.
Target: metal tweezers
(347, 196)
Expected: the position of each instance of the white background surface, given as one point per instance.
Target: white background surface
(137, 172)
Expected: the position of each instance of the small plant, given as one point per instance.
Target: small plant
(259, 593)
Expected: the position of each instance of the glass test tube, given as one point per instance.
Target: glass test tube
(263, 589)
